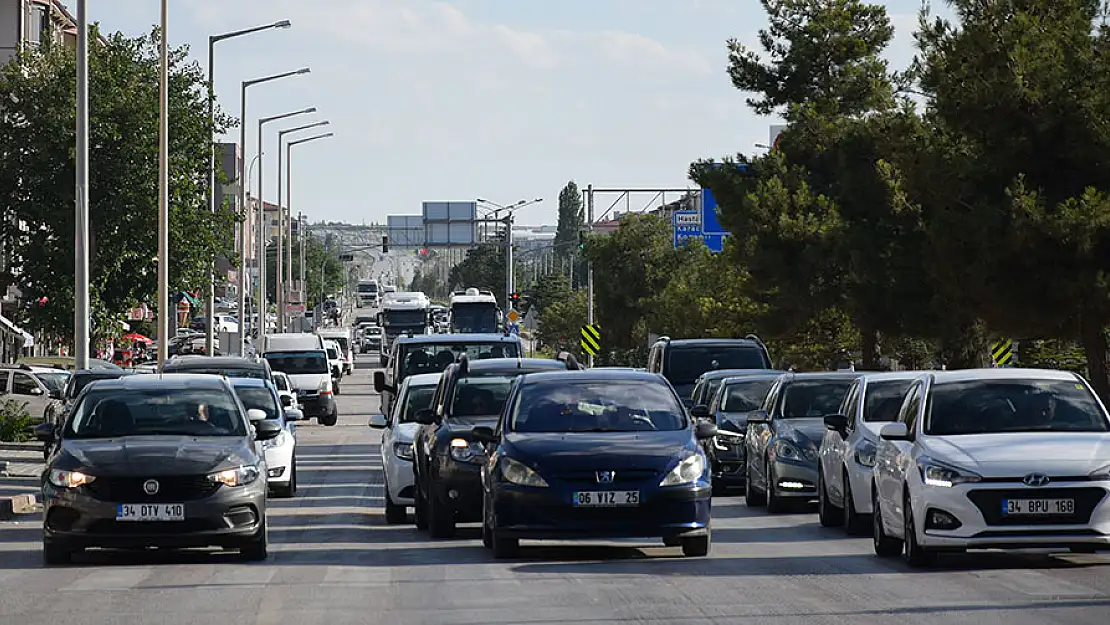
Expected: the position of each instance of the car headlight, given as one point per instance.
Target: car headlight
(68, 479)
(687, 471)
(467, 451)
(277, 441)
(239, 476)
(865, 454)
(403, 450)
(725, 440)
(517, 473)
(797, 451)
(943, 475)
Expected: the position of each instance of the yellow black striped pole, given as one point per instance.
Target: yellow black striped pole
(591, 339)
(1002, 352)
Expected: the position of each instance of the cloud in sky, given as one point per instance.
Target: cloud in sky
(435, 100)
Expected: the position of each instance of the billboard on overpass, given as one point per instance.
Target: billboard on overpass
(406, 230)
(448, 224)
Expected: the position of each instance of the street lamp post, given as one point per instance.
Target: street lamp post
(263, 240)
(289, 184)
(243, 199)
(210, 305)
(164, 190)
(285, 226)
(81, 248)
(510, 279)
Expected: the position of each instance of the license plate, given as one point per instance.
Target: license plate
(150, 512)
(607, 498)
(1038, 507)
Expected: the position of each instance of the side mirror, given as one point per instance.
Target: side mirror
(426, 416)
(267, 429)
(759, 416)
(292, 414)
(378, 421)
(836, 422)
(894, 432)
(286, 401)
(484, 434)
(44, 432)
(379, 381)
(36, 391)
(254, 415)
(701, 411)
(705, 429)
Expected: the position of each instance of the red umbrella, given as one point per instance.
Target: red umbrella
(137, 337)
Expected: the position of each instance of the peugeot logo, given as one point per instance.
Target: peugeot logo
(1035, 479)
(151, 487)
(606, 477)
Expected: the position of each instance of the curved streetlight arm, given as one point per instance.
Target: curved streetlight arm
(266, 120)
(313, 138)
(282, 133)
(248, 83)
(247, 31)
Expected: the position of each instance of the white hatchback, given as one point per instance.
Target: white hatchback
(399, 429)
(993, 459)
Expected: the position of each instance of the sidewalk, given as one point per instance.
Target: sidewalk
(21, 459)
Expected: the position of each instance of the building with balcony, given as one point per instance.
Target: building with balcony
(31, 23)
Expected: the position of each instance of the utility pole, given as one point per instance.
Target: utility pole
(509, 281)
(590, 267)
(244, 225)
(164, 194)
(81, 311)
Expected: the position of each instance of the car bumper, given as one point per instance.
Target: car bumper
(315, 406)
(982, 526)
(279, 461)
(859, 477)
(398, 478)
(728, 465)
(795, 480)
(224, 519)
(459, 486)
(545, 514)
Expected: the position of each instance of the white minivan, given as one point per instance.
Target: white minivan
(304, 359)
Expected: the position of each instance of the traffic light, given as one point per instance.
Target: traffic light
(385, 242)
(515, 299)
(581, 239)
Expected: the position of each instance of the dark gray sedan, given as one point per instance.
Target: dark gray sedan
(156, 461)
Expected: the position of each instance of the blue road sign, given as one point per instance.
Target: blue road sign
(687, 224)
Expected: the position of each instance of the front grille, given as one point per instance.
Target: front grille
(622, 476)
(111, 527)
(989, 503)
(171, 489)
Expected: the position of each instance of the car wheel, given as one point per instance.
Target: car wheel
(54, 554)
(420, 510)
(827, 513)
(487, 524)
(285, 491)
(332, 419)
(256, 549)
(885, 546)
(915, 555)
(337, 391)
(696, 546)
(855, 523)
(441, 521)
(394, 514)
(775, 503)
(752, 497)
(504, 548)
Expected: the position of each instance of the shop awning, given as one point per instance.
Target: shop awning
(8, 327)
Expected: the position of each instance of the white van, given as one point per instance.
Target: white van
(346, 342)
(304, 359)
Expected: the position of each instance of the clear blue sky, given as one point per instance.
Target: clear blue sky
(501, 99)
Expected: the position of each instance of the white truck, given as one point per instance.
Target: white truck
(475, 311)
(403, 313)
(368, 293)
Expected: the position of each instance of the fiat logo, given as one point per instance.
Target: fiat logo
(151, 487)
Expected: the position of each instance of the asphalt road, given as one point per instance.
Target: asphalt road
(334, 561)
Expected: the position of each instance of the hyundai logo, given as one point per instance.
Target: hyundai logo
(1035, 479)
(606, 477)
(151, 487)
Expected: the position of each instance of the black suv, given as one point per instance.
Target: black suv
(447, 459)
(682, 361)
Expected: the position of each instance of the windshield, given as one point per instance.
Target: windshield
(231, 372)
(368, 288)
(611, 406)
(480, 396)
(434, 357)
(55, 382)
(298, 363)
(474, 317)
(685, 364)
(405, 317)
(77, 383)
(418, 397)
(745, 396)
(114, 413)
(281, 382)
(998, 406)
(258, 398)
(814, 398)
(342, 341)
(884, 400)
(333, 354)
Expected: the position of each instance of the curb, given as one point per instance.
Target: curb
(16, 504)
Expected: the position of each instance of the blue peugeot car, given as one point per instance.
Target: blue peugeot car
(595, 455)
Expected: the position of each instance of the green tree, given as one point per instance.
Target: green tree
(37, 174)
(483, 268)
(560, 323)
(571, 219)
(707, 297)
(548, 290)
(324, 272)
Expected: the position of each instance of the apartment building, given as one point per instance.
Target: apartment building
(30, 23)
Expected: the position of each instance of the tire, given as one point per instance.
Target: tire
(394, 514)
(504, 548)
(885, 546)
(441, 521)
(775, 504)
(487, 530)
(336, 388)
(287, 491)
(696, 546)
(855, 524)
(420, 507)
(54, 554)
(256, 549)
(331, 419)
(915, 555)
(752, 498)
(827, 513)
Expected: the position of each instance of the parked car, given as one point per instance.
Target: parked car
(197, 483)
(400, 429)
(595, 455)
(281, 451)
(34, 387)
